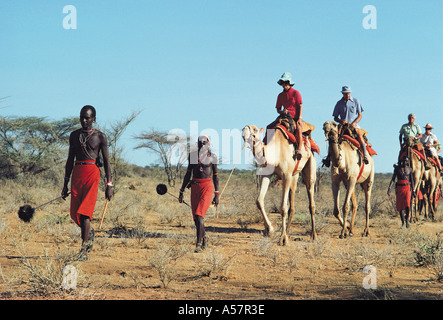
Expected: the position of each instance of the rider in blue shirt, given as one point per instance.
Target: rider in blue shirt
(349, 110)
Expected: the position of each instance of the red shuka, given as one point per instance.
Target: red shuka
(403, 195)
(201, 196)
(84, 188)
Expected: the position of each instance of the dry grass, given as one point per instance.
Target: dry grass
(145, 247)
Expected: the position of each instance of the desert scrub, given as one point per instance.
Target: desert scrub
(318, 248)
(164, 261)
(214, 263)
(357, 256)
(429, 253)
(44, 275)
(265, 247)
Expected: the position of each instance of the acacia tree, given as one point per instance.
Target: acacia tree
(171, 149)
(114, 134)
(32, 144)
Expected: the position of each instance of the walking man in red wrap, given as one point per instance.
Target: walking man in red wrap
(403, 189)
(85, 144)
(203, 168)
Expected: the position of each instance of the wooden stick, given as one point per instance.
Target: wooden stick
(103, 214)
(229, 178)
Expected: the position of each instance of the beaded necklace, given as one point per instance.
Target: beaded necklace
(84, 139)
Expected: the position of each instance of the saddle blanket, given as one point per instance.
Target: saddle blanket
(357, 145)
(291, 138)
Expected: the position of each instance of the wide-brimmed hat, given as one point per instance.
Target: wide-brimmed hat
(346, 89)
(428, 126)
(286, 77)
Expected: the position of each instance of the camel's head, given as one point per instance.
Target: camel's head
(251, 133)
(331, 129)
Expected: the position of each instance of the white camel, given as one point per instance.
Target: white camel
(276, 157)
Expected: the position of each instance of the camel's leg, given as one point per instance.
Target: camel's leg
(336, 196)
(434, 191)
(284, 209)
(367, 187)
(434, 204)
(309, 177)
(350, 190)
(354, 211)
(292, 191)
(414, 200)
(264, 184)
(414, 211)
(426, 200)
(425, 204)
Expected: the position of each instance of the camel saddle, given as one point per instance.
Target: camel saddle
(347, 132)
(291, 137)
(416, 148)
(289, 124)
(357, 144)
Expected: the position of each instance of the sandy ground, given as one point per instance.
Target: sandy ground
(257, 268)
(239, 262)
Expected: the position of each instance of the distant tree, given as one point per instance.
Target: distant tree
(114, 134)
(171, 151)
(32, 144)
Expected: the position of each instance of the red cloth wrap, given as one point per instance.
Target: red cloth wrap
(201, 196)
(84, 188)
(403, 195)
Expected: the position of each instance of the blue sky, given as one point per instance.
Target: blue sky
(217, 62)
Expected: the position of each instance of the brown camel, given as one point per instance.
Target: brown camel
(347, 165)
(418, 170)
(276, 157)
(431, 187)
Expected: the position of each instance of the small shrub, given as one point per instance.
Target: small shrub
(164, 262)
(45, 275)
(430, 253)
(215, 263)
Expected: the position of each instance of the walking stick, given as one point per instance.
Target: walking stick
(163, 189)
(226, 184)
(103, 214)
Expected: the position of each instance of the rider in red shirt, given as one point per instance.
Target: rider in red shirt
(291, 101)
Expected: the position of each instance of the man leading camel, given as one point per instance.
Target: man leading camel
(349, 110)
